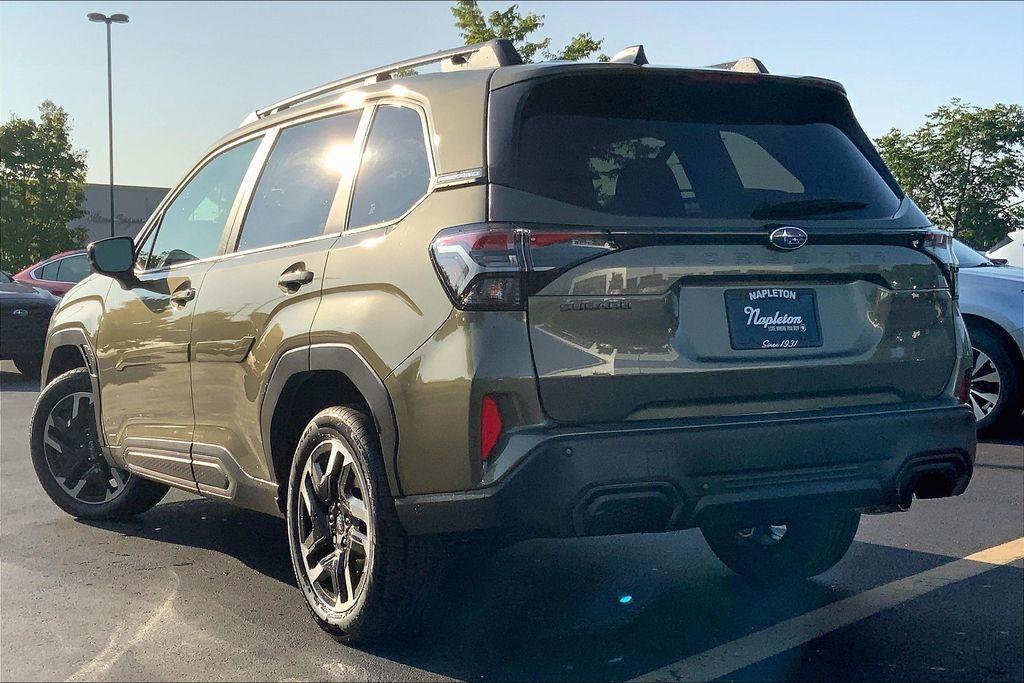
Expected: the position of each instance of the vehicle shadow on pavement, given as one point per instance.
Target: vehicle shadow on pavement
(15, 381)
(256, 540)
(573, 609)
(1011, 433)
(614, 608)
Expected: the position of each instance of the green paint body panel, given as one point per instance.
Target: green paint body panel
(204, 380)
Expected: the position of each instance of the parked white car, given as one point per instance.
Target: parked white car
(1010, 249)
(992, 303)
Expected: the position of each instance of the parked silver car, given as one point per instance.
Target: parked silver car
(992, 303)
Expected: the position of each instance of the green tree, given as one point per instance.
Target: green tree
(519, 28)
(42, 184)
(965, 169)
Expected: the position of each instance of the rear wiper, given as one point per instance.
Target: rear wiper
(805, 207)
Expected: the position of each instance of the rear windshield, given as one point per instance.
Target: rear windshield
(670, 146)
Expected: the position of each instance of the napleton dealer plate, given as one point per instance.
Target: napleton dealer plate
(772, 318)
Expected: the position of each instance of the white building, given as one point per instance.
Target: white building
(133, 205)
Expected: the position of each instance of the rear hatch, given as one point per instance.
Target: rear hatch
(684, 305)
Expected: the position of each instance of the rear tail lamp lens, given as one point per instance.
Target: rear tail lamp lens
(492, 266)
(480, 266)
(491, 427)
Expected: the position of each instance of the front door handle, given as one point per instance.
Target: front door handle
(183, 296)
(292, 280)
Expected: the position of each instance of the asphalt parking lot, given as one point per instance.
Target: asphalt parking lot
(198, 590)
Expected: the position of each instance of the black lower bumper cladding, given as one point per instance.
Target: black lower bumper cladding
(680, 474)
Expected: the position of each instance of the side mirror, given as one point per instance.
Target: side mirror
(113, 256)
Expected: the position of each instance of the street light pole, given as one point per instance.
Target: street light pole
(112, 19)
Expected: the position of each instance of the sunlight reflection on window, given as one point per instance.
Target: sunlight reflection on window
(340, 158)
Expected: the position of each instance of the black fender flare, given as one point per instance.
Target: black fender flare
(77, 338)
(69, 336)
(347, 360)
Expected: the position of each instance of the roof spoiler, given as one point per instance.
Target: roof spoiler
(749, 65)
(634, 54)
(488, 55)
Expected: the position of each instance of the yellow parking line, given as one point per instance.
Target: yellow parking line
(785, 635)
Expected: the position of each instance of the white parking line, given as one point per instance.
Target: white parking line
(785, 635)
(120, 642)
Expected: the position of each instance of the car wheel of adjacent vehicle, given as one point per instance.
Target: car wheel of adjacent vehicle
(69, 463)
(362, 577)
(798, 548)
(30, 366)
(995, 383)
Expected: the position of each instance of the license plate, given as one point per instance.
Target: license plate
(772, 318)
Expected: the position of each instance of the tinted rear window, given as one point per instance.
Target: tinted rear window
(656, 145)
(73, 268)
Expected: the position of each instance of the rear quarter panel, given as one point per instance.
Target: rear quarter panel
(381, 294)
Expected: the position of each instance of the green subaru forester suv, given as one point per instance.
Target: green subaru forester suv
(504, 300)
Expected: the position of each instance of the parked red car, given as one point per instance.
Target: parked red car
(58, 273)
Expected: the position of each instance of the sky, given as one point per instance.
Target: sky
(187, 73)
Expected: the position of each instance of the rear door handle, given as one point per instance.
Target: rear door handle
(294, 279)
(183, 296)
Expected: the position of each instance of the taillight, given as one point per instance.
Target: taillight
(495, 266)
(939, 245)
(491, 426)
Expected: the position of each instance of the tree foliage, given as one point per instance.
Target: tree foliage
(965, 169)
(519, 28)
(42, 184)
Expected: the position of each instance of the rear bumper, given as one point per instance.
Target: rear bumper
(674, 475)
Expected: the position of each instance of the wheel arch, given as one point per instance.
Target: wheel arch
(1000, 333)
(335, 374)
(65, 350)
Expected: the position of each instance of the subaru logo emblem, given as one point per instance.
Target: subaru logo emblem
(788, 238)
(20, 312)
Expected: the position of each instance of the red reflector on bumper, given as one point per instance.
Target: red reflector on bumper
(490, 426)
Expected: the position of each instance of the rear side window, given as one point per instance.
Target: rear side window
(296, 190)
(49, 271)
(395, 172)
(677, 146)
(73, 268)
(193, 223)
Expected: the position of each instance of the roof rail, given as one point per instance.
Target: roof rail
(750, 65)
(493, 53)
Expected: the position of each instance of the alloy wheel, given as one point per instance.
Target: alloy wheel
(333, 527)
(985, 385)
(73, 455)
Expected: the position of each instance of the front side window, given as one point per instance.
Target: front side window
(73, 268)
(142, 257)
(296, 190)
(192, 224)
(394, 172)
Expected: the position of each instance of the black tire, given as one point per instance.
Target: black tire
(135, 496)
(29, 366)
(403, 571)
(810, 545)
(1008, 402)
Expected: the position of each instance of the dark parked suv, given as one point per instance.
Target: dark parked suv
(507, 300)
